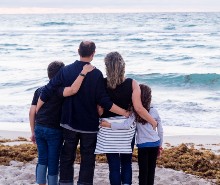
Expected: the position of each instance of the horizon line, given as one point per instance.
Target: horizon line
(34, 10)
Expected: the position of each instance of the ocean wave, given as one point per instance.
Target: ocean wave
(190, 25)
(172, 58)
(56, 24)
(24, 49)
(210, 80)
(195, 46)
(171, 27)
(8, 45)
(136, 39)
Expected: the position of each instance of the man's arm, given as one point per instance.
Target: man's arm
(136, 100)
(73, 89)
(118, 110)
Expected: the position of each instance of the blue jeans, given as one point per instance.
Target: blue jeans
(120, 167)
(49, 142)
(68, 155)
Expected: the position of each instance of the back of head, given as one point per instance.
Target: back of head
(53, 68)
(145, 100)
(86, 48)
(115, 69)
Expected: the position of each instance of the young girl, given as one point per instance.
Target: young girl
(148, 140)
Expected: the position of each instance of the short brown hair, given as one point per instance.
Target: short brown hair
(86, 48)
(53, 68)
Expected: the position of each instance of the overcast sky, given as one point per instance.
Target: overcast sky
(111, 5)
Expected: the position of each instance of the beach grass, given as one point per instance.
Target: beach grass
(202, 163)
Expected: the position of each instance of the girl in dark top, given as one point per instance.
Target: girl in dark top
(124, 92)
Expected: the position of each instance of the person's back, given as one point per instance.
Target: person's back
(121, 95)
(79, 111)
(50, 113)
(117, 144)
(46, 131)
(146, 133)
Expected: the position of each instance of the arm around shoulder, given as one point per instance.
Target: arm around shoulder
(74, 88)
(136, 100)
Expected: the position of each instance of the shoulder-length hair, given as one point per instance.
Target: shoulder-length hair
(115, 69)
(146, 101)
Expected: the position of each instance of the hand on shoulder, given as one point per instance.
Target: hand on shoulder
(87, 68)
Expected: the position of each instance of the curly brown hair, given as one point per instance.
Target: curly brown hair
(146, 101)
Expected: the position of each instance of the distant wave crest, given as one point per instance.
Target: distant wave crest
(210, 80)
(56, 24)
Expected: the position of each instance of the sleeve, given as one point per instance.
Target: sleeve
(60, 91)
(124, 125)
(52, 86)
(102, 97)
(159, 126)
(35, 98)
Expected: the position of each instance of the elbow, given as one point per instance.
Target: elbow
(73, 91)
(138, 109)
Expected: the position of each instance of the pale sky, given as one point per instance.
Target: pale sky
(71, 6)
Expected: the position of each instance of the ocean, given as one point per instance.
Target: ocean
(176, 54)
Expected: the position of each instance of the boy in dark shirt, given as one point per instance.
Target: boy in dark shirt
(45, 126)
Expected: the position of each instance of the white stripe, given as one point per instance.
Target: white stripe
(114, 141)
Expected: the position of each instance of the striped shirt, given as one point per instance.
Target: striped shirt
(115, 140)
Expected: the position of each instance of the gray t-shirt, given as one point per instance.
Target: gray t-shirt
(145, 133)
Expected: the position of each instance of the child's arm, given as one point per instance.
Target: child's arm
(73, 89)
(39, 104)
(32, 114)
(118, 126)
(159, 131)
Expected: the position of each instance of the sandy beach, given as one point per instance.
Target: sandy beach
(19, 173)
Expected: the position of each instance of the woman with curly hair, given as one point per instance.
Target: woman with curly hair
(118, 144)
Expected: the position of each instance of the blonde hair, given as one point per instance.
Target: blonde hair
(115, 69)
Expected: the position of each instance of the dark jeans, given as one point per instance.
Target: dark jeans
(120, 167)
(49, 142)
(68, 155)
(147, 157)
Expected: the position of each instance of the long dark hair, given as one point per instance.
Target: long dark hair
(146, 101)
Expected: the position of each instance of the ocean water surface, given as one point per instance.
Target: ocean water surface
(177, 54)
